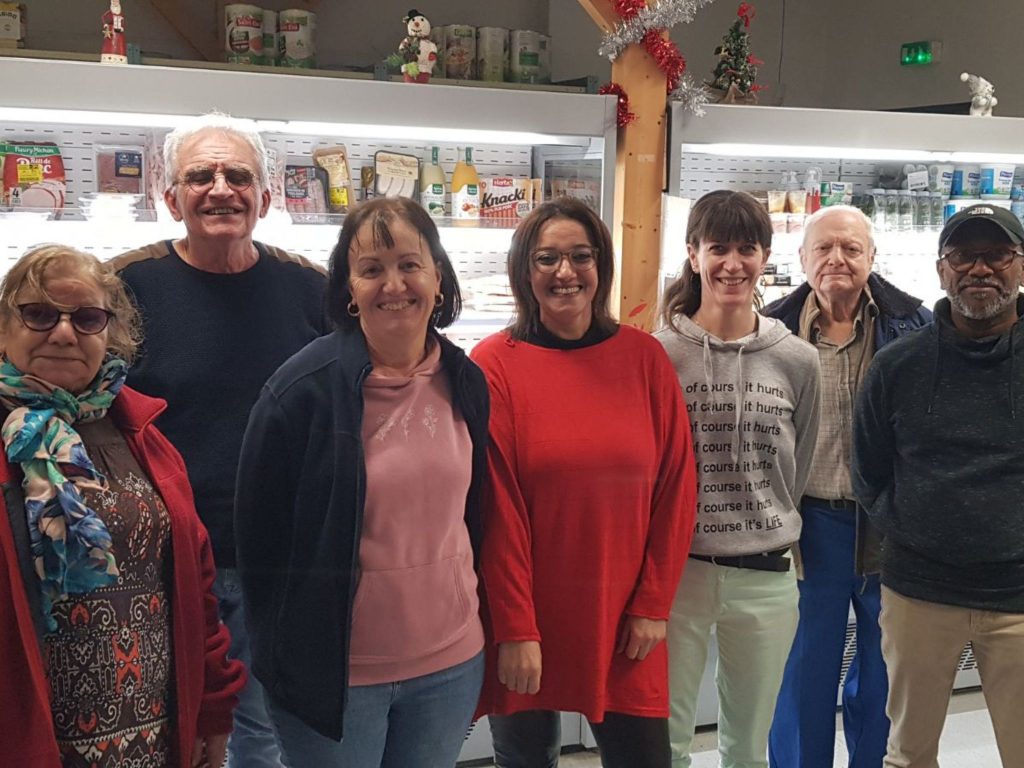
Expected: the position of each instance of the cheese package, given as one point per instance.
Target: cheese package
(33, 175)
(334, 160)
(504, 197)
(396, 175)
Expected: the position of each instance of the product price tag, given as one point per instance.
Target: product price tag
(128, 164)
(917, 180)
(30, 173)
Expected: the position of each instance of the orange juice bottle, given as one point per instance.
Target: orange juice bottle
(465, 191)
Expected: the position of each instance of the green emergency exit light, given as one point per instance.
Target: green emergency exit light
(921, 52)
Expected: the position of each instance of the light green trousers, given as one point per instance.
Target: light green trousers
(754, 615)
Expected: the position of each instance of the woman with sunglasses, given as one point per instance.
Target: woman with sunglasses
(590, 505)
(110, 646)
(752, 388)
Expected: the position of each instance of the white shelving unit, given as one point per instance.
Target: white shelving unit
(518, 133)
(749, 148)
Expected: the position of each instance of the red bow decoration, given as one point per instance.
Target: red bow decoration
(746, 12)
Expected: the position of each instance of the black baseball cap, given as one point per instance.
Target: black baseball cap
(1000, 217)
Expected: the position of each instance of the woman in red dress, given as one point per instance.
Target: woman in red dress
(590, 508)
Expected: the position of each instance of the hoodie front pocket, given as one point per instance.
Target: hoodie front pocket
(404, 613)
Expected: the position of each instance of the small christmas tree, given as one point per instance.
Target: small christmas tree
(736, 70)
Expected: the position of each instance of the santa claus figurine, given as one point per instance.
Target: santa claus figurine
(113, 51)
(417, 50)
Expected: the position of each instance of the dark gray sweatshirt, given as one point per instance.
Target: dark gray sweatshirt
(938, 463)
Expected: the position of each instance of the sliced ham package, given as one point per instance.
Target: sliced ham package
(33, 175)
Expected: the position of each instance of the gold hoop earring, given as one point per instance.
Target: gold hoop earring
(438, 300)
(352, 306)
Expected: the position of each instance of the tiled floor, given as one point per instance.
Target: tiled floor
(967, 741)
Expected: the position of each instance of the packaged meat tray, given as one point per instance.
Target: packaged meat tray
(33, 175)
(305, 193)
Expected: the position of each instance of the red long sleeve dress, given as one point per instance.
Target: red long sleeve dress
(588, 517)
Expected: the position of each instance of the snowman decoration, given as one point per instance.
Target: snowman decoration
(417, 50)
(983, 97)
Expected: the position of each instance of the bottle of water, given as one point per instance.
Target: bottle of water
(1017, 202)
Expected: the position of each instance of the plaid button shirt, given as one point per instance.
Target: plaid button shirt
(843, 367)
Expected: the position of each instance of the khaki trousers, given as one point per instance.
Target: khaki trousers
(922, 643)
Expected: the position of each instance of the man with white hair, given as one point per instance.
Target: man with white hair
(220, 313)
(848, 313)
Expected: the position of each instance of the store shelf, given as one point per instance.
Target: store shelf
(742, 130)
(160, 96)
(27, 53)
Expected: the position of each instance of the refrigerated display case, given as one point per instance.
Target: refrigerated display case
(753, 148)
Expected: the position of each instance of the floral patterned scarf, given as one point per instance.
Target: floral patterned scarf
(71, 547)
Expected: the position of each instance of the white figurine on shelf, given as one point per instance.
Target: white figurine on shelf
(982, 94)
(417, 50)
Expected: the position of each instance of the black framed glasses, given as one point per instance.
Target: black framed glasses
(997, 259)
(202, 180)
(40, 316)
(549, 260)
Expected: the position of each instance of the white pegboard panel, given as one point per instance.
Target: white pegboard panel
(490, 160)
(78, 143)
(700, 173)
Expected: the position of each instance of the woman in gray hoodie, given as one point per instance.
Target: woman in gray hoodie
(752, 394)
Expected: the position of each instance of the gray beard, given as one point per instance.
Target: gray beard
(985, 311)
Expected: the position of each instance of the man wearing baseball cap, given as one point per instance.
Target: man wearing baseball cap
(938, 463)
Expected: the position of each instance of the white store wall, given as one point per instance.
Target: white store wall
(833, 53)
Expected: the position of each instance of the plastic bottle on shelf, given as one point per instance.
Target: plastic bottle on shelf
(905, 210)
(892, 210)
(922, 211)
(432, 193)
(465, 191)
(938, 207)
(1017, 202)
(878, 216)
(796, 196)
(812, 185)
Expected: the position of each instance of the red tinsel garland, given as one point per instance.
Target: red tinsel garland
(627, 9)
(665, 53)
(623, 116)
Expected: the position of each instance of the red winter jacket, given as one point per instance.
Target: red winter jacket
(206, 682)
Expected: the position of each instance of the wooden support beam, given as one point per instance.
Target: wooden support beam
(640, 171)
(199, 30)
(602, 12)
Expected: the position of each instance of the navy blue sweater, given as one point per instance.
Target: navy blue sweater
(210, 342)
(938, 463)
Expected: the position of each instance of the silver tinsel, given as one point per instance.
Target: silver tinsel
(691, 94)
(664, 15)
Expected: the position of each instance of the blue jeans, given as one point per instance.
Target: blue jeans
(417, 723)
(252, 743)
(804, 731)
